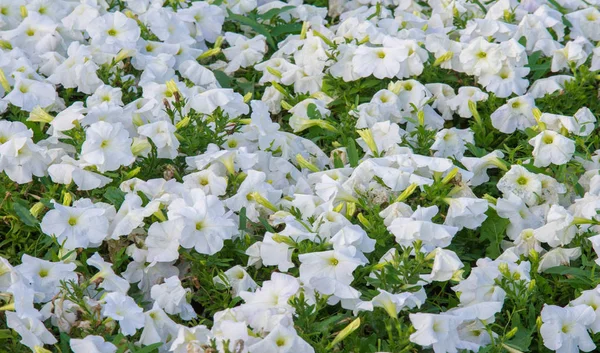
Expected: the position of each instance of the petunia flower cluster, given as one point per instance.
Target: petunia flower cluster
(258, 176)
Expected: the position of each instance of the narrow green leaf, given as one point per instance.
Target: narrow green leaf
(115, 196)
(25, 215)
(269, 15)
(352, 152)
(493, 229)
(353, 326)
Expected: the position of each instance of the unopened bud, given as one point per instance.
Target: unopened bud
(140, 146)
(40, 115)
(395, 87)
(209, 53)
(183, 123)
(218, 42)
(364, 221)
(325, 39)
(281, 90)
(4, 81)
(160, 215)
(510, 334)
(132, 173)
(534, 255)
(261, 200)
(368, 138)
(407, 192)
(274, 72)
(350, 209)
(124, 54)
(531, 286)
(450, 176)
(171, 88)
(304, 163)
(443, 58)
(67, 199)
(473, 110)
(504, 270)
(40, 349)
(278, 238)
(421, 118)
(492, 200)
(305, 25)
(4, 44)
(457, 275)
(36, 209)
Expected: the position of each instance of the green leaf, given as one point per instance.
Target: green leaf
(269, 15)
(64, 342)
(352, 152)
(492, 230)
(115, 196)
(6, 333)
(24, 215)
(243, 219)
(337, 161)
(150, 348)
(257, 27)
(290, 28)
(266, 224)
(313, 112)
(223, 79)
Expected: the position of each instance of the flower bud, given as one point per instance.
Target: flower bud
(473, 110)
(4, 81)
(407, 192)
(534, 256)
(492, 200)
(278, 238)
(304, 163)
(218, 42)
(531, 286)
(274, 72)
(209, 53)
(40, 115)
(442, 59)
(160, 215)
(36, 209)
(261, 200)
(40, 349)
(457, 276)
(451, 174)
(364, 221)
(285, 105)
(503, 268)
(421, 118)
(325, 39)
(350, 209)
(132, 173)
(367, 136)
(183, 123)
(140, 146)
(395, 87)
(67, 199)
(305, 25)
(124, 54)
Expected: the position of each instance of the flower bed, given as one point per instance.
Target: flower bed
(329, 176)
